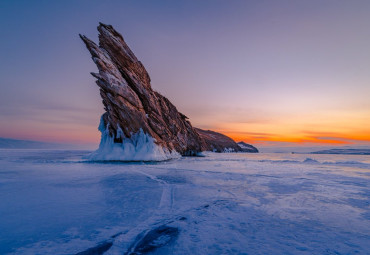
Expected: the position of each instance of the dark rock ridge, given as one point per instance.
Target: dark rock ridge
(213, 141)
(132, 106)
(245, 147)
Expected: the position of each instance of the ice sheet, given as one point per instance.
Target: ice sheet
(57, 202)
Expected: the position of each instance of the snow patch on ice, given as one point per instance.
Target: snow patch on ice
(229, 150)
(139, 147)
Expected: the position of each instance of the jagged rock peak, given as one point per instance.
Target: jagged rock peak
(130, 103)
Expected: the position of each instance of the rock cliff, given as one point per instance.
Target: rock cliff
(135, 113)
(130, 102)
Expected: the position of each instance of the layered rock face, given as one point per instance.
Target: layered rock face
(139, 123)
(130, 102)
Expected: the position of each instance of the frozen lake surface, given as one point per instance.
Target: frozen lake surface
(54, 202)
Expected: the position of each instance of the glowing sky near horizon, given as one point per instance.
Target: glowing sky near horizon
(266, 72)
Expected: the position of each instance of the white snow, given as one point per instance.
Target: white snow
(139, 147)
(56, 202)
(228, 150)
(243, 146)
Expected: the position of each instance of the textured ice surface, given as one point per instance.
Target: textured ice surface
(55, 202)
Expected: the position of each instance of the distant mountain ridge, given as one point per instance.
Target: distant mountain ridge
(8, 143)
(344, 151)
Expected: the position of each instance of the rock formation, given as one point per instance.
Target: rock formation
(134, 109)
(130, 102)
(213, 141)
(245, 147)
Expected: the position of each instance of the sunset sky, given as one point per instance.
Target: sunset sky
(265, 72)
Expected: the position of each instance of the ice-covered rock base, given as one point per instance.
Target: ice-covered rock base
(139, 147)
